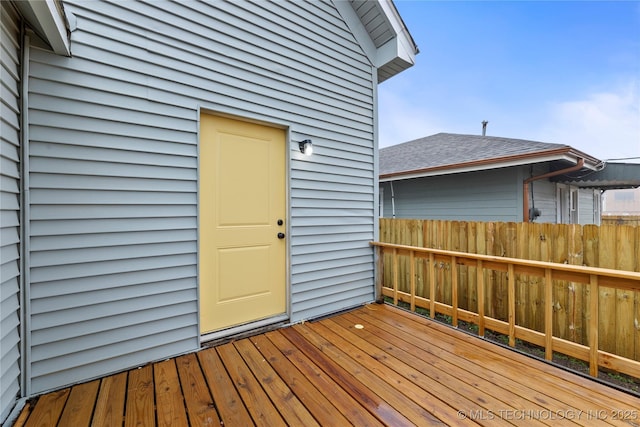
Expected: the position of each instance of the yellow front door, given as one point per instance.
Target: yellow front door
(242, 222)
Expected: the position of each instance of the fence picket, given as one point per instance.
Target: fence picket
(636, 320)
(607, 304)
(625, 305)
(620, 220)
(607, 246)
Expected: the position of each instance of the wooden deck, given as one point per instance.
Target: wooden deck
(376, 365)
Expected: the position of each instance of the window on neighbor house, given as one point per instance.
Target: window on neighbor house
(567, 204)
(597, 207)
(573, 206)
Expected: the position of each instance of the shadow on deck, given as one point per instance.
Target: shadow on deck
(376, 365)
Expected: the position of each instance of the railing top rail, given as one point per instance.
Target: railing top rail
(605, 272)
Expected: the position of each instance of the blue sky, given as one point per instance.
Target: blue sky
(565, 72)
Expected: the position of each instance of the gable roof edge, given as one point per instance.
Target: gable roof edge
(394, 54)
(565, 153)
(400, 52)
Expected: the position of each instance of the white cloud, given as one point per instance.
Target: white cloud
(604, 124)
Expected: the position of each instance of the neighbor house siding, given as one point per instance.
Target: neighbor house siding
(544, 199)
(492, 195)
(10, 59)
(114, 170)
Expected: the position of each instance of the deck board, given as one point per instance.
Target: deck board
(197, 398)
(446, 390)
(350, 380)
(341, 400)
(289, 406)
(412, 401)
(451, 375)
(543, 380)
(226, 398)
(78, 409)
(255, 398)
(170, 409)
(109, 411)
(140, 410)
(395, 369)
(313, 399)
(48, 410)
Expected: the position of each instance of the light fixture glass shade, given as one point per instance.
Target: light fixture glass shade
(306, 147)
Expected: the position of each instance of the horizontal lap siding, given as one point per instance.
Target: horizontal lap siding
(544, 199)
(113, 155)
(332, 223)
(9, 209)
(493, 195)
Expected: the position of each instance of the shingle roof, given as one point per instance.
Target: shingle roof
(443, 149)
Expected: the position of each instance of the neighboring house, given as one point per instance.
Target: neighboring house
(154, 193)
(485, 178)
(621, 202)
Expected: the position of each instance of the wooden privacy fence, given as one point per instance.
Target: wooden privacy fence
(620, 220)
(609, 247)
(592, 278)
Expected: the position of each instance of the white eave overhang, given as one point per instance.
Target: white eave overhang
(491, 164)
(47, 19)
(380, 31)
(399, 53)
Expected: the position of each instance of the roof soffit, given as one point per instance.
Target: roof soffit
(381, 33)
(48, 20)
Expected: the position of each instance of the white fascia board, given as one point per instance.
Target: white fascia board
(50, 23)
(392, 50)
(497, 165)
(401, 46)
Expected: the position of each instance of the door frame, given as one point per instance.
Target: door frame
(567, 204)
(271, 321)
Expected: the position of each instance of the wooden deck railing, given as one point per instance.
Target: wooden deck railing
(594, 278)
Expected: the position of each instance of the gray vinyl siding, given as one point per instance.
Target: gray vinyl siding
(10, 58)
(114, 158)
(544, 198)
(493, 195)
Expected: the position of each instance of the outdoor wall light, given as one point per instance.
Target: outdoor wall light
(306, 147)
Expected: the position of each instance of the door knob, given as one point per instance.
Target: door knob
(280, 235)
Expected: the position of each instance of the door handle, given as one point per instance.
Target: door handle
(280, 235)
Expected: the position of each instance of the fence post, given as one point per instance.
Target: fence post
(454, 291)
(480, 274)
(379, 254)
(412, 279)
(548, 315)
(511, 301)
(594, 295)
(395, 276)
(432, 286)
